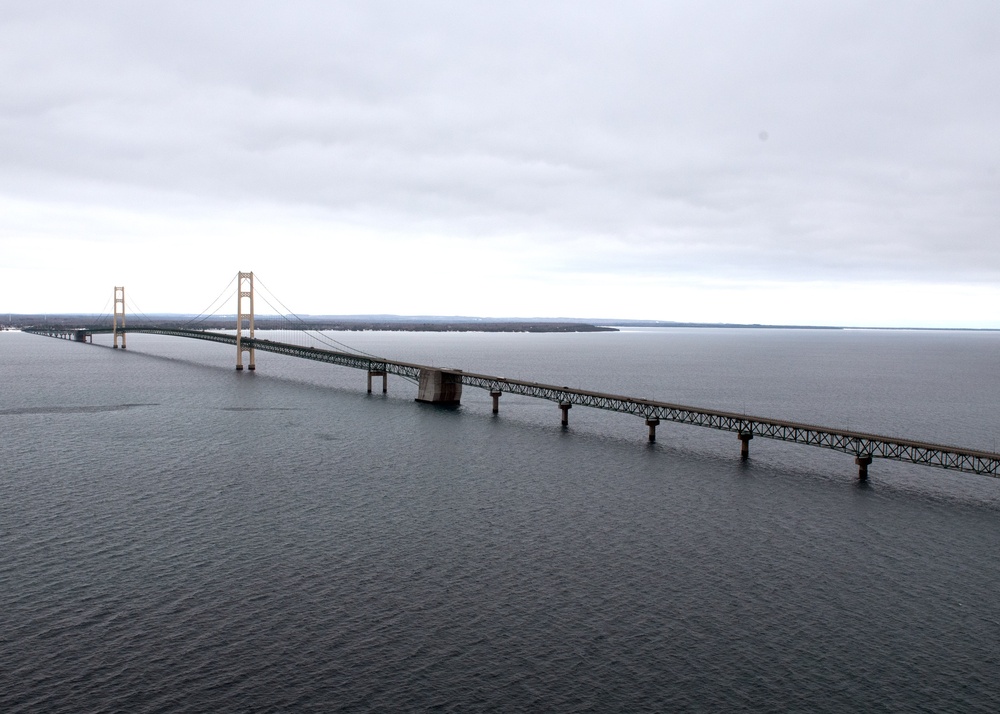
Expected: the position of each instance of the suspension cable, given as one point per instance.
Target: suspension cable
(104, 314)
(305, 326)
(205, 314)
(135, 309)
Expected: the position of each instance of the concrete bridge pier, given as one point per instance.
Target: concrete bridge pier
(565, 406)
(378, 373)
(495, 393)
(862, 461)
(745, 446)
(652, 423)
(440, 387)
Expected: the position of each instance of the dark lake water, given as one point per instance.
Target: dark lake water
(178, 537)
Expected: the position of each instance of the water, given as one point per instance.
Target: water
(175, 536)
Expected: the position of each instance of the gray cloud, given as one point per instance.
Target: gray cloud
(758, 141)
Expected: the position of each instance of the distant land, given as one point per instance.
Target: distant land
(396, 323)
(319, 322)
(401, 323)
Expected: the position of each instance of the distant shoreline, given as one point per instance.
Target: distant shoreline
(423, 323)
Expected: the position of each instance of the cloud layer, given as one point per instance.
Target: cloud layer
(768, 152)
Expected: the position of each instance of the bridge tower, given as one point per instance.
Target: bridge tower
(244, 289)
(119, 313)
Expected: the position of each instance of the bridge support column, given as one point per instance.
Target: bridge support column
(440, 387)
(565, 406)
(863, 461)
(745, 446)
(378, 373)
(652, 423)
(495, 393)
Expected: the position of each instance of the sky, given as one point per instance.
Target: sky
(824, 163)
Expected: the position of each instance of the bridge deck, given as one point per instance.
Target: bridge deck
(860, 444)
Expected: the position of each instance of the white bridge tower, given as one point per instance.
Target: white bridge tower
(119, 313)
(244, 289)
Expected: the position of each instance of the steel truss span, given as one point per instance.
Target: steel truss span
(857, 443)
(861, 445)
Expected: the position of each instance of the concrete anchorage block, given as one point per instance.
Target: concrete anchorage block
(439, 387)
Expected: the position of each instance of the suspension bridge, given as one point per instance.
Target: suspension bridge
(444, 387)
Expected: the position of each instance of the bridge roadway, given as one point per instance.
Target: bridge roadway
(862, 445)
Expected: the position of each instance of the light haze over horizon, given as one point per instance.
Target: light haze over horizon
(824, 163)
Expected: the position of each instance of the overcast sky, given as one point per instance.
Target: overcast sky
(775, 162)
